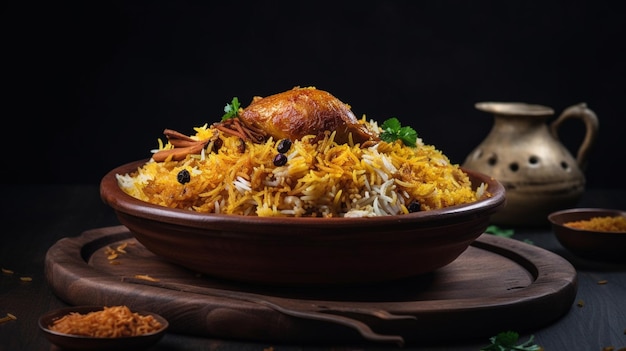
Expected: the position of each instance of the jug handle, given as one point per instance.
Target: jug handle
(591, 129)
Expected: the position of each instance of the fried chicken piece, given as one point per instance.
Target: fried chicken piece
(304, 111)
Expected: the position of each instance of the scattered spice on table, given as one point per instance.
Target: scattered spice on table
(9, 317)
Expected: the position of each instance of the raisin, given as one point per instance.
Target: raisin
(414, 207)
(183, 176)
(280, 160)
(242, 146)
(217, 145)
(283, 146)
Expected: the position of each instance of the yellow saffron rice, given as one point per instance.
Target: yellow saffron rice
(319, 179)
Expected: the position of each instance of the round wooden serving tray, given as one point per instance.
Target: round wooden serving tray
(497, 284)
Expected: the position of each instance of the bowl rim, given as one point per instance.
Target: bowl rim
(120, 201)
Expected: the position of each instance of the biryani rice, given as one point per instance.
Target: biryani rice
(320, 179)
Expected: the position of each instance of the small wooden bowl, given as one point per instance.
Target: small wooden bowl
(597, 245)
(78, 342)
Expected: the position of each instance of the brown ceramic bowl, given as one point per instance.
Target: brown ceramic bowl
(604, 246)
(78, 342)
(304, 251)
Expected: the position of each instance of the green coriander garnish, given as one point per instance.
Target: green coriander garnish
(506, 233)
(393, 130)
(508, 341)
(232, 109)
(497, 231)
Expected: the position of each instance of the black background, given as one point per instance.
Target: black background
(89, 85)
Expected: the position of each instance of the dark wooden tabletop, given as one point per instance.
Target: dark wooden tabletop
(35, 217)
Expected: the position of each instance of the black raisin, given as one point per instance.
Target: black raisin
(280, 160)
(414, 207)
(183, 176)
(283, 146)
(217, 145)
(242, 146)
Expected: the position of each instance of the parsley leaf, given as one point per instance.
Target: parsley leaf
(506, 233)
(508, 341)
(497, 231)
(232, 109)
(393, 130)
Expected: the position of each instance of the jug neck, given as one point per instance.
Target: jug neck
(516, 117)
(519, 124)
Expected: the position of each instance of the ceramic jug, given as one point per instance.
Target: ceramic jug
(523, 152)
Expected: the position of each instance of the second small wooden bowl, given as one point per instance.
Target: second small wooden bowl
(597, 245)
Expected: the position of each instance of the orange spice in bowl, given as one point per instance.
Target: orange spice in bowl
(593, 233)
(600, 224)
(110, 322)
(97, 328)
